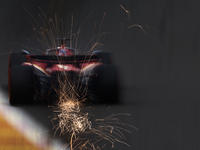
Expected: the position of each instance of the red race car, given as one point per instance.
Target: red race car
(36, 77)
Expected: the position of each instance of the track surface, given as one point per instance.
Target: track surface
(158, 63)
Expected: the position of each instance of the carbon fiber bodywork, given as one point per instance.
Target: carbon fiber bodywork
(46, 85)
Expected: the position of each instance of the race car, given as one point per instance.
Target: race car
(36, 77)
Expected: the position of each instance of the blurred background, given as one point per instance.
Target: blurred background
(155, 44)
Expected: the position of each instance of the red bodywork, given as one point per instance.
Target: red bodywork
(43, 65)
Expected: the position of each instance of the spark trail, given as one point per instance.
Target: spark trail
(75, 123)
(71, 120)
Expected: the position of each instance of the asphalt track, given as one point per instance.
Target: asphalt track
(158, 62)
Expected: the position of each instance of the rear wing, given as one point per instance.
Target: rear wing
(73, 59)
(64, 60)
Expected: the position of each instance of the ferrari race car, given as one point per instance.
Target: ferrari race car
(36, 77)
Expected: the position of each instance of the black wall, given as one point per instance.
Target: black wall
(163, 52)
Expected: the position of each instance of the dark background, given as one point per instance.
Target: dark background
(159, 67)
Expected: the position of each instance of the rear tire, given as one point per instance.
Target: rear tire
(17, 59)
(21, 89)
(105, 58)
(103, 84)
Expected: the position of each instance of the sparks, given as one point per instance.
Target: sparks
(71, 120)
(127, 11)
(137, 25)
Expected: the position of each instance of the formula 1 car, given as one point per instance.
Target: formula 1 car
(36, 77)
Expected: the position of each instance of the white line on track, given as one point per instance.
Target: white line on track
(32, 130)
